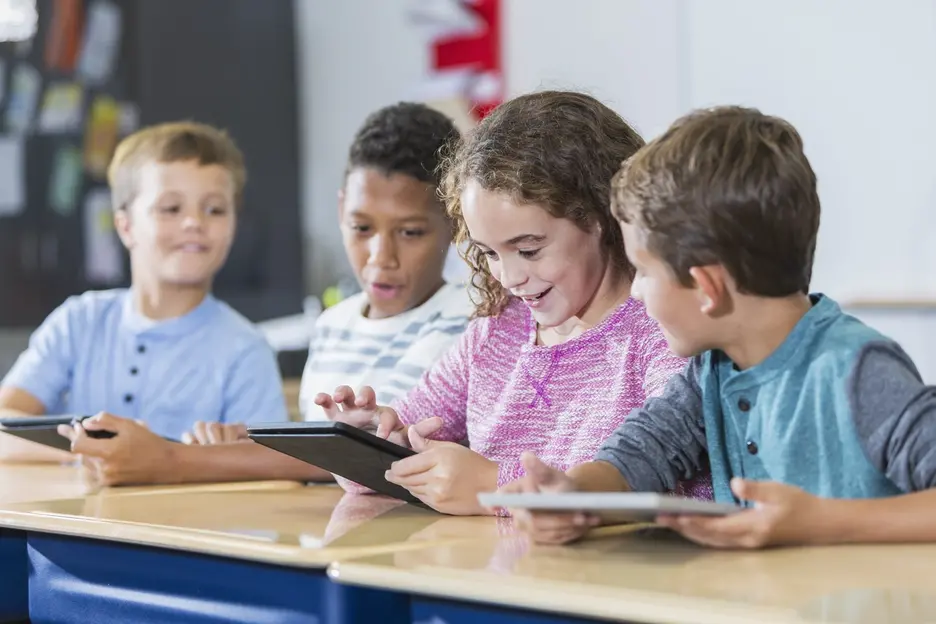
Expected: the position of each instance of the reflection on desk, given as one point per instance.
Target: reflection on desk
(308, 526)
(24, 482)
(655, 576)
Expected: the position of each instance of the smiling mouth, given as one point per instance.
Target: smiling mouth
(536, 297)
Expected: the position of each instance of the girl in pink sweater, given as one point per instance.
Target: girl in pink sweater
(559, 353)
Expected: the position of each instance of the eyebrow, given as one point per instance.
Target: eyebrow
(414, 218)
(516, 240)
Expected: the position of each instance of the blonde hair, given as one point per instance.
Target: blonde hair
(172, 142)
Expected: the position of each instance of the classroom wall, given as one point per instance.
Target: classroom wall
(12, 343)
(855, 77)
(353, 56)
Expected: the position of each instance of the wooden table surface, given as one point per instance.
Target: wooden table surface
(652, 575)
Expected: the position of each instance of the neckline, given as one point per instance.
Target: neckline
(586, 337)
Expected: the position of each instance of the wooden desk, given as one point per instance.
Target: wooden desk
(654, 577)
(206, 555)
(23, 484)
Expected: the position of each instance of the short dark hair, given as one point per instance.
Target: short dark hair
(556, 149)
(406, 138)
(729, 186)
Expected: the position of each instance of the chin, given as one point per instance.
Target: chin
(548, 319)
(682, 349)
(189, 279)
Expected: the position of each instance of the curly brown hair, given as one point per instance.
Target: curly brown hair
(555, 149)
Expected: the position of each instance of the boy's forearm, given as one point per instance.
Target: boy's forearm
(242, 461)
(598, 476)
(907, 518)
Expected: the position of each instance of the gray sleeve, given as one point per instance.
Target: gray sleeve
(895, 415)
(663, 441)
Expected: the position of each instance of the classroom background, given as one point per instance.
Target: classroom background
(292, 80)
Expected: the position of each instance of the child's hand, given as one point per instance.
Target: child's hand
(134, 456)
(444, 475)
(215, 433)
(782, 515)
(546, 527)
(359, 411)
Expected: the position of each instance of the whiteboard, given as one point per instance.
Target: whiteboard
(858, 80)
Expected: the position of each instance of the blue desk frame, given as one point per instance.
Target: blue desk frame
(84, 580)
(53, 578)
(439, 611)
(14, 577)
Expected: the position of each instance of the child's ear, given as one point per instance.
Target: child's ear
(122, 227)
(711, 289)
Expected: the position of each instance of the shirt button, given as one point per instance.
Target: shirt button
(752, 447)
(128, 398)
(134, 370)
(141, 349)
(744, 405)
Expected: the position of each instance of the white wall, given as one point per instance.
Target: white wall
(857, 79)
(354, 56)
(855, 76)
(627, 53)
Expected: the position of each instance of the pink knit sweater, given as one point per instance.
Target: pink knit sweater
(505, 394)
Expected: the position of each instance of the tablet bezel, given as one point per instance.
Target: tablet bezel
(267, 433)
(40, 429)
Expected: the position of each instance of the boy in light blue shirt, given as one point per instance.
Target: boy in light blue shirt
(818, 424)
(165, 352)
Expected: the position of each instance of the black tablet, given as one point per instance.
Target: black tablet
(44, 429)
(340, 449)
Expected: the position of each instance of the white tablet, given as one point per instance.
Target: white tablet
(626, 506)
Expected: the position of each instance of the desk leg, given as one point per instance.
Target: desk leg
(348, 604)
(14, 579)
(85, 580)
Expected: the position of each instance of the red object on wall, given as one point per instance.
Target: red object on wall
(479, 52)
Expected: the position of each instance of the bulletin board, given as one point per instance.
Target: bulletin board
(65, 101)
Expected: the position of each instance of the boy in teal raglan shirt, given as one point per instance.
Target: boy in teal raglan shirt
(816, 422)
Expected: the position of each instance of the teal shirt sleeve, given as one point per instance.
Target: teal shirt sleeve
(254, 391)
(895, 415)
(45, 368)
(662, 442)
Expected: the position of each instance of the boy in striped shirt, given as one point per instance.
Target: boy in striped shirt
(396, 235)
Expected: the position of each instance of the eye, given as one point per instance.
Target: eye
(170, 209)
(360, 228)
(492, 255)
(217, 210)
(415, 233)
(529, 254)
